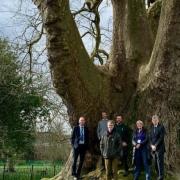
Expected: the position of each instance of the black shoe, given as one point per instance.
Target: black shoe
(126, 173)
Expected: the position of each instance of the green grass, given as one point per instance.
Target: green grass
(142, 177)
(25, 171)
(98, 173)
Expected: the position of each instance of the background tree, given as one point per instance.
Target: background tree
(20, 105)
(27, 36)
(52, 144)
(140, 78)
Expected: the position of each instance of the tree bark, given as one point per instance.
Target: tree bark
(159, 80)
(153, 16)
(140, 80)
(132, 46)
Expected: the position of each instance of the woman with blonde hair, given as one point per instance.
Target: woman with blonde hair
(140, 143)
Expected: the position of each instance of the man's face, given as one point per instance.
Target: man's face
(110, 126)
(155, 121)
(119, 119)
(104, 115)
(82, 121)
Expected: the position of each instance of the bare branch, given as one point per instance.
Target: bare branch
(83, 9)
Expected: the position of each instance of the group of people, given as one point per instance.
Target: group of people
(114, 144)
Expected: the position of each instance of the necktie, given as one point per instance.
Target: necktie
(154, 129)
(82, 134)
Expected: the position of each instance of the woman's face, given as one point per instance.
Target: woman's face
(139, 125)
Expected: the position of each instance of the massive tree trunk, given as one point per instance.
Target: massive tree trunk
(159, 80)
(139, 81)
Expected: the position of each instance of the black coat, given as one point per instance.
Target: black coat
(157, 138)
(123, 131)
(110, 145)
(75, 138)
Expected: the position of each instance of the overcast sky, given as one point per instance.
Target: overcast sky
(14, 19)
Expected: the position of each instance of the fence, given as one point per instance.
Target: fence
(30, 172)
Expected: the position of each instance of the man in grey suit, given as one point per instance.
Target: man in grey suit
(102, 125)
(101, 129)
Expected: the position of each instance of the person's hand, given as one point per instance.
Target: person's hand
(153, 148)
(124, 144)
(137, 146)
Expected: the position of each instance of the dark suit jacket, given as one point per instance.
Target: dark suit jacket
(76, 137)
(157, 138)
(123, 131)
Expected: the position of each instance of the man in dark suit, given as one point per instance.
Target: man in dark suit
(79, 141)
(157, 145)
(124, 133)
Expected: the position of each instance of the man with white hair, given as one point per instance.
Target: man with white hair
(157, 145)
(110, 146)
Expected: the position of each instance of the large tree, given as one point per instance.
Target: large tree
(140, 78)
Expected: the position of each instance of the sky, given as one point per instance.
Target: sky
(14, 19)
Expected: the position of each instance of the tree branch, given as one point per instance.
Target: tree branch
(97, 33)
(83, 9)
(93, 7)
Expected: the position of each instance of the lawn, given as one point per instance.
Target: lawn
(101, 176)
(142, 177)
(34, 170)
